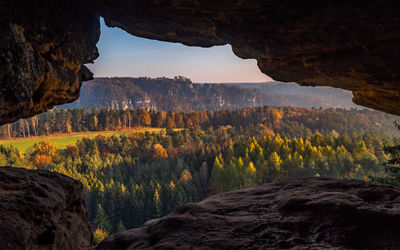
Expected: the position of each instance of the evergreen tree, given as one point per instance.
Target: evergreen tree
(217, 173)
(101, 220)
(121, 227)
(157, 203)
(391, 167)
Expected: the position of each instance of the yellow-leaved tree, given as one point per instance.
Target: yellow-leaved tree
(159, 152)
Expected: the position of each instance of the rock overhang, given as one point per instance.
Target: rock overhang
(352, 45)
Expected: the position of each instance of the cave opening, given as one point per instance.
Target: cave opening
(125, 55)
(265, 174)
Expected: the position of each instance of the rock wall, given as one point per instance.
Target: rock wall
(301, 214)
(352, 45)
(43, 46)
(42, 210)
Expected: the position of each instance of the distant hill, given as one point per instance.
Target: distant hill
(180, 94)
(293, 94)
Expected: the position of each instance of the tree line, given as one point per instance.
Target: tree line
(288, 121)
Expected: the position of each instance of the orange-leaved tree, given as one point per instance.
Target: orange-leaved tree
(43, 153)
(159, 152)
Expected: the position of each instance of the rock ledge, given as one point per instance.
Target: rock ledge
(302, 214)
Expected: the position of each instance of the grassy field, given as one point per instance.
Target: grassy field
(62, 140)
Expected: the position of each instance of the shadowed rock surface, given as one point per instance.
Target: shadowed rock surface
(354, 45)
(301, 214)
(43, 46)
(42, 210)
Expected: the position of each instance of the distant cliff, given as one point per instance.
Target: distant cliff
(180, 94)
(292, 94)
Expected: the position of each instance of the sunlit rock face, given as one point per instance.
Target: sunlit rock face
(353, 45)
(298, 214)
(43, 45)
(42, 210)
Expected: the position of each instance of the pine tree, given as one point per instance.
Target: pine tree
(275, 161)
(120, 227)
(157, 203)
(391, 167)
(216, 180)
(101, 220)
(185, 177)
(249, 175)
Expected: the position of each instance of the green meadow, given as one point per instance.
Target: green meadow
(61, 141)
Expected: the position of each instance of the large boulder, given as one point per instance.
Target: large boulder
(302, 214)
(42, 210)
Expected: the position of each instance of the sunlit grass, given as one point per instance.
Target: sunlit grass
(62, 140)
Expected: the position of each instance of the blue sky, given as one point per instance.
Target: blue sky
(122, 54)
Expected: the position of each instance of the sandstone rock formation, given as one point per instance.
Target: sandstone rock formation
(42, 210)
(353, 45)
(301, 214)
(43, 46)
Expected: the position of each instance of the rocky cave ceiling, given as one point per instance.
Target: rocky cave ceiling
(352, 45)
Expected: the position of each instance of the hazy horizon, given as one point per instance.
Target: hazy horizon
(241, 82)
(124, 55)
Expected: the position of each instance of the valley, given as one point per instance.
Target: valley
(132, 174)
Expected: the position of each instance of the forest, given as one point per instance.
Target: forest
(290, 121)
(130, 179)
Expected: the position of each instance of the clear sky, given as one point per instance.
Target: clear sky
(122, 54)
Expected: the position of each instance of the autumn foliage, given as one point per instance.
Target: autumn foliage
(43, 153)
(159, 152)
